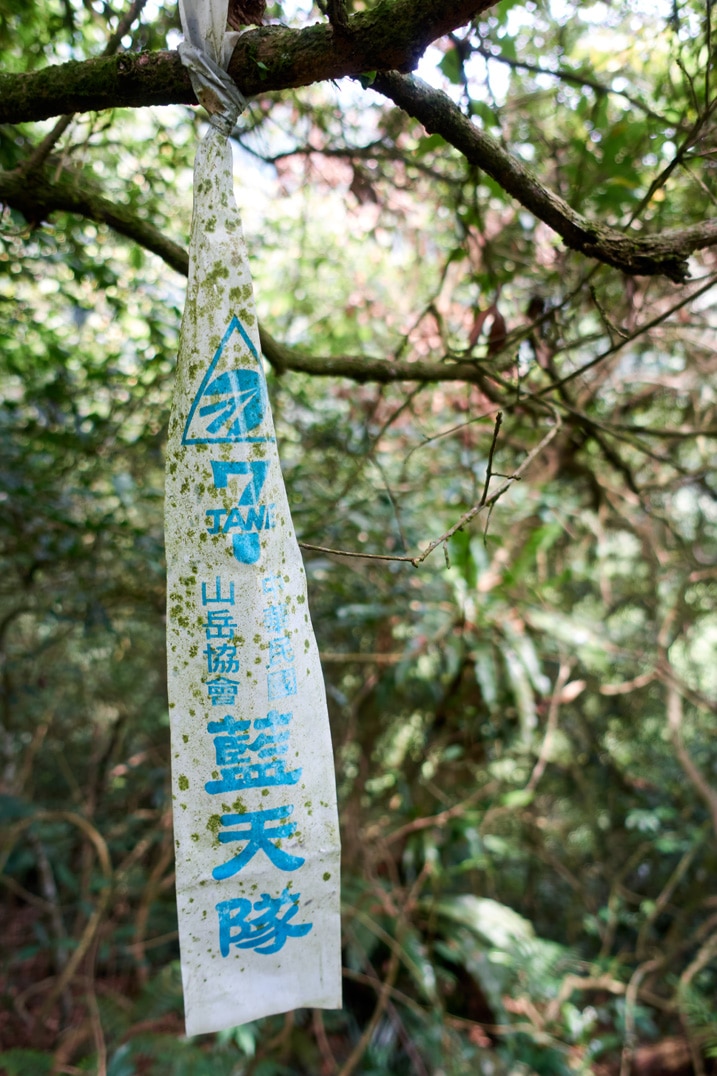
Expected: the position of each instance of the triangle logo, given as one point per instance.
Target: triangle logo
(231, 404)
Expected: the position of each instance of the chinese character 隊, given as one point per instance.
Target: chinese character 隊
(267, 931)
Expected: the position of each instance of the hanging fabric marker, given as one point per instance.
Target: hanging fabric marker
(255, 820)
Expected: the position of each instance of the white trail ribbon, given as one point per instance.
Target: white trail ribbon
(255, 819)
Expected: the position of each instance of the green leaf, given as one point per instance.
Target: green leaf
(520, 797)
(25, 1062)
(452, 67)
(428, 143)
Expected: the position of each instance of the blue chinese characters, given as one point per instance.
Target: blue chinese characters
(220, 625)
(267, 931)
(253, 754)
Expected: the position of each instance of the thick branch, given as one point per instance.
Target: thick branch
(39, 197)
(393, 34)
(665, 254)
(42, 197)
(361, 369)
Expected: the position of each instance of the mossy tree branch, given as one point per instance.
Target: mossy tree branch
(38, 200)
(392, 35)
(663, 254)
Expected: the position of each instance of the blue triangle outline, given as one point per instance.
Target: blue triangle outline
(234, 325)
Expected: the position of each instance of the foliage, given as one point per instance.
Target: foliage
(522, 720)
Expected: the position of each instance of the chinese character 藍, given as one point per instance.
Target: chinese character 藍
(267, 931)
(222, 659)
(218, 598)
(237, 728)
(219, 624)
(240, 771)
(253, 827)
(235, 743)
(253, 775)
(223, 691)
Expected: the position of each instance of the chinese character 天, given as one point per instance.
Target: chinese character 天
(253, 828)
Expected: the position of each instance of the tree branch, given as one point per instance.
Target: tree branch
(42, 197)
(563, 74)
(665, 254)
(37, 198)
(393, 34)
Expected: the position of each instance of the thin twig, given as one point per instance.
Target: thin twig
(710, 283)
(574, 77)
(397, 954)
(693, 773)
(631, 996)
(550, 726)
(44, 148)
(329, 1061)
(464, 520)
(662, 900)
(94, 1010)
(97, 840)
(491, 453)
(437, 821)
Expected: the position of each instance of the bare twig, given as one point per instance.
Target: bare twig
(464, 520)
(631, 995)
(70, 969)
(44, 148)
(692, 771)
(437, 821)
(491, 453)
(659, 905)
(329, 1061)
(658, 320)
(562, 74)
(663, 254)
(550, 725)
(397, 955)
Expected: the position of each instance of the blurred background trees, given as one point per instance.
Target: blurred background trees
(523, 719)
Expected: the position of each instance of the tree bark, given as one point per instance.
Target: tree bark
(381, 42)
(392, 35)
(663, 254)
